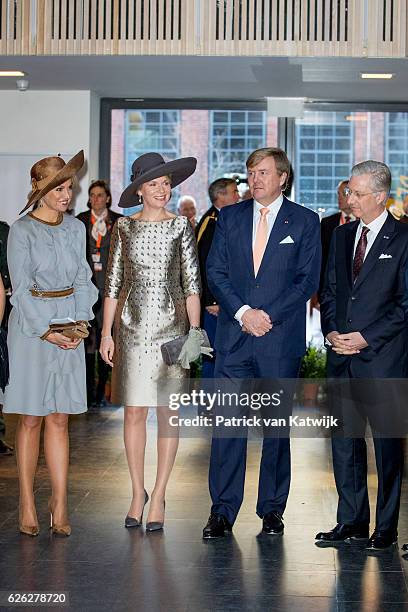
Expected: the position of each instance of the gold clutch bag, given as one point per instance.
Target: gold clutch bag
(74, 331)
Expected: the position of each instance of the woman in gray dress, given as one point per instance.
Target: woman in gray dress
(151, 297)
(51, 280)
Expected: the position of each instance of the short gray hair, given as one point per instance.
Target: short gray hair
(379, 172)
(186, 198)
(219, 186)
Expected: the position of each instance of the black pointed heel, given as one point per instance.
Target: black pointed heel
(130, 521)
(156, 525)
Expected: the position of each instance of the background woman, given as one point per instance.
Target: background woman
(99, 221)
(152, 296)
(51, 280)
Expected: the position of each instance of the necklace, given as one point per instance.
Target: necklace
(57, 222)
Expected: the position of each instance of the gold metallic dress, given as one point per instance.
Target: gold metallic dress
(152, 269)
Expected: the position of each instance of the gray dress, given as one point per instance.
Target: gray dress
(44, 378)
(153, 267)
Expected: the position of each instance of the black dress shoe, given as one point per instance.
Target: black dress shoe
(381, 540)
(5, 449)
(216, 527)
(272, 523)
(101, 403)
(341, 532)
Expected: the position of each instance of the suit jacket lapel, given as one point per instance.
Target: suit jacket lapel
(246, 229)
(381, 243)
(351, 230)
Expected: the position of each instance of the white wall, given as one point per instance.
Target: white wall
(36, 124)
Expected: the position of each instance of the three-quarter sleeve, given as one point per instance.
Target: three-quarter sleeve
(33, 314)
(85, 292)
(115, 270)
(190, 268)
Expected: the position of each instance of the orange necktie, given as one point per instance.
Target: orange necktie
(261, 239)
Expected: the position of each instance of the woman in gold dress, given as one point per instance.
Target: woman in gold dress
(151, 297)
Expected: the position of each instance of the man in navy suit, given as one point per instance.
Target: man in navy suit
(329, 224)
(364, 310)
(263, 266)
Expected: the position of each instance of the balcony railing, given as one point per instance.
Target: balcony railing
(355, 28)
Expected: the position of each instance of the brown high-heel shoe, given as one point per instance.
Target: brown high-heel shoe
(59, 530)
(30, 530)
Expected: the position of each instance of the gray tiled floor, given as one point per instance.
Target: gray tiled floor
(105, 567)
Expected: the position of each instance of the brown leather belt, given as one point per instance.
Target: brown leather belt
(35, 292)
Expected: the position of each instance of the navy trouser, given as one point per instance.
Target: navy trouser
(356, 403)
(228, 454)
(210, 326)
(350, 471)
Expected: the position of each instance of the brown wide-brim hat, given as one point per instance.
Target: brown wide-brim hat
(150, 166)
(48, 173)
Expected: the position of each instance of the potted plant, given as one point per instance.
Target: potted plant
(313, 369)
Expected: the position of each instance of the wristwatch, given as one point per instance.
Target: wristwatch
(195, 327)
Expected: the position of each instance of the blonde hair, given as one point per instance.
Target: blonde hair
(282, 162)
(281, 159)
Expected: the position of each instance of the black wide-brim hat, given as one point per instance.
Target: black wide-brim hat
(150, 166)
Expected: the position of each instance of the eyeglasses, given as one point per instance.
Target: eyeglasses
(357, 194)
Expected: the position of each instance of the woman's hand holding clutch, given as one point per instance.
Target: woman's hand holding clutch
(107, 349)
(192, 348)
(62, 341)
(66, 333)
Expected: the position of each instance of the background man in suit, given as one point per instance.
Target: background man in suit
(263, 266)
(364, 313)
(222, 192)
(187, 207)
(329, 224)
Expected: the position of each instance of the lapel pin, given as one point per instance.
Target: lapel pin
(286, 221)
(386, 237)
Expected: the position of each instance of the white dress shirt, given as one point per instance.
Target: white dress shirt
(274, 209)
(374, 227)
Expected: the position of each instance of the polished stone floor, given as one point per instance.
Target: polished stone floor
(103, 566)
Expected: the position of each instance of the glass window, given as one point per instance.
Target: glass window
(319, 166)
(221, 140)
(396, 152)
(151, 131)
(233, 136)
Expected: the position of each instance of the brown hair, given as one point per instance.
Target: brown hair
(105, 186)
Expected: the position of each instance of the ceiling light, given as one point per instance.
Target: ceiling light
(11, 73)
(376, 75)
(22, 84)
